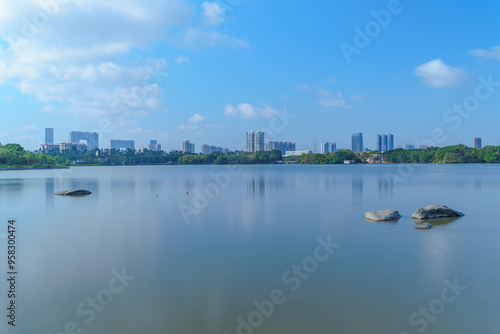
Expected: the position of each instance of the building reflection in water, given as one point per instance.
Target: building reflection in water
(49, 194)
(357, 190)
(385, 185)
(256, 186)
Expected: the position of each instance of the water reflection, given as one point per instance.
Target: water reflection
(256, 187)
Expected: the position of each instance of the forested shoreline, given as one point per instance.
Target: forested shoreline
(15, 156)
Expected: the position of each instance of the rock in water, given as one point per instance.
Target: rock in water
(435, 211)
(385, 215)
(78, 192)
(423, 226)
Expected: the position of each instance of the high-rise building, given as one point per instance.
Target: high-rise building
(153, 146)
(255, 141)
(409, 147)
(91, 139)
(259, 141)
(390, 142)
(333, 147)
(379, 143)
(187, 147)
(384, 143)
(122, 144)
(325, 147)
(250, 141)
(478, 142)
(357, 142)
(49, 136)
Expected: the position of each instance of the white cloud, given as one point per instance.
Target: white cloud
(437, 74)
(182, 59)
(360, 98)
(213, 14)
(493, 53)
(78, 57)
(327, 98)
(248, 111)
(196, 118)
(187, 127)
(194, 38)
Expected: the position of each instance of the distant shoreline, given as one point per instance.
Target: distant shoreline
(31, 168)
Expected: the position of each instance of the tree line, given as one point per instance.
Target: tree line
(14, 155)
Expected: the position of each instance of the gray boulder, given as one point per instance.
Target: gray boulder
(78, 192)
(423, 226)
(435, 211)
(385, 215)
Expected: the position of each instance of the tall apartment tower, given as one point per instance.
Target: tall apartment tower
(250, 141)
(255, 141)
(379, 143)
(390, 142)
(384, 143)
(357, 142)
(325, 147)
(187, 147)
(478, 142)
(49, 136)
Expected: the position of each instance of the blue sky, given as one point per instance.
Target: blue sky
(210, 71)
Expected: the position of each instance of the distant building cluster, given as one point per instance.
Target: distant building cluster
(122, 144)
(154, 146)
(327, 147)
(210, 149)
(385, 142)
(255, 141)
(81, 141)
(280, 146)
(188, 147)
(89, 141)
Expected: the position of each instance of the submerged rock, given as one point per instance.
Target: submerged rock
(423, 226)
(435, 211)
(78, 192)
(385, 215)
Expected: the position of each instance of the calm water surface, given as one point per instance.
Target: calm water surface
(200, 262)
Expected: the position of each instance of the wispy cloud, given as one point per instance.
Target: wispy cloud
(196, 118)
(437, 74)
(492, 53)
(326, 97)
(182, 59)
(248, 111)
(188, 127)
(213, 13)
(360, 98)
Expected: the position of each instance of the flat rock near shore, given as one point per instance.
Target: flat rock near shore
(385, 215)
(79, 192)
(435, 211)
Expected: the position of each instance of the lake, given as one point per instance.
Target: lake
(265, 249)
